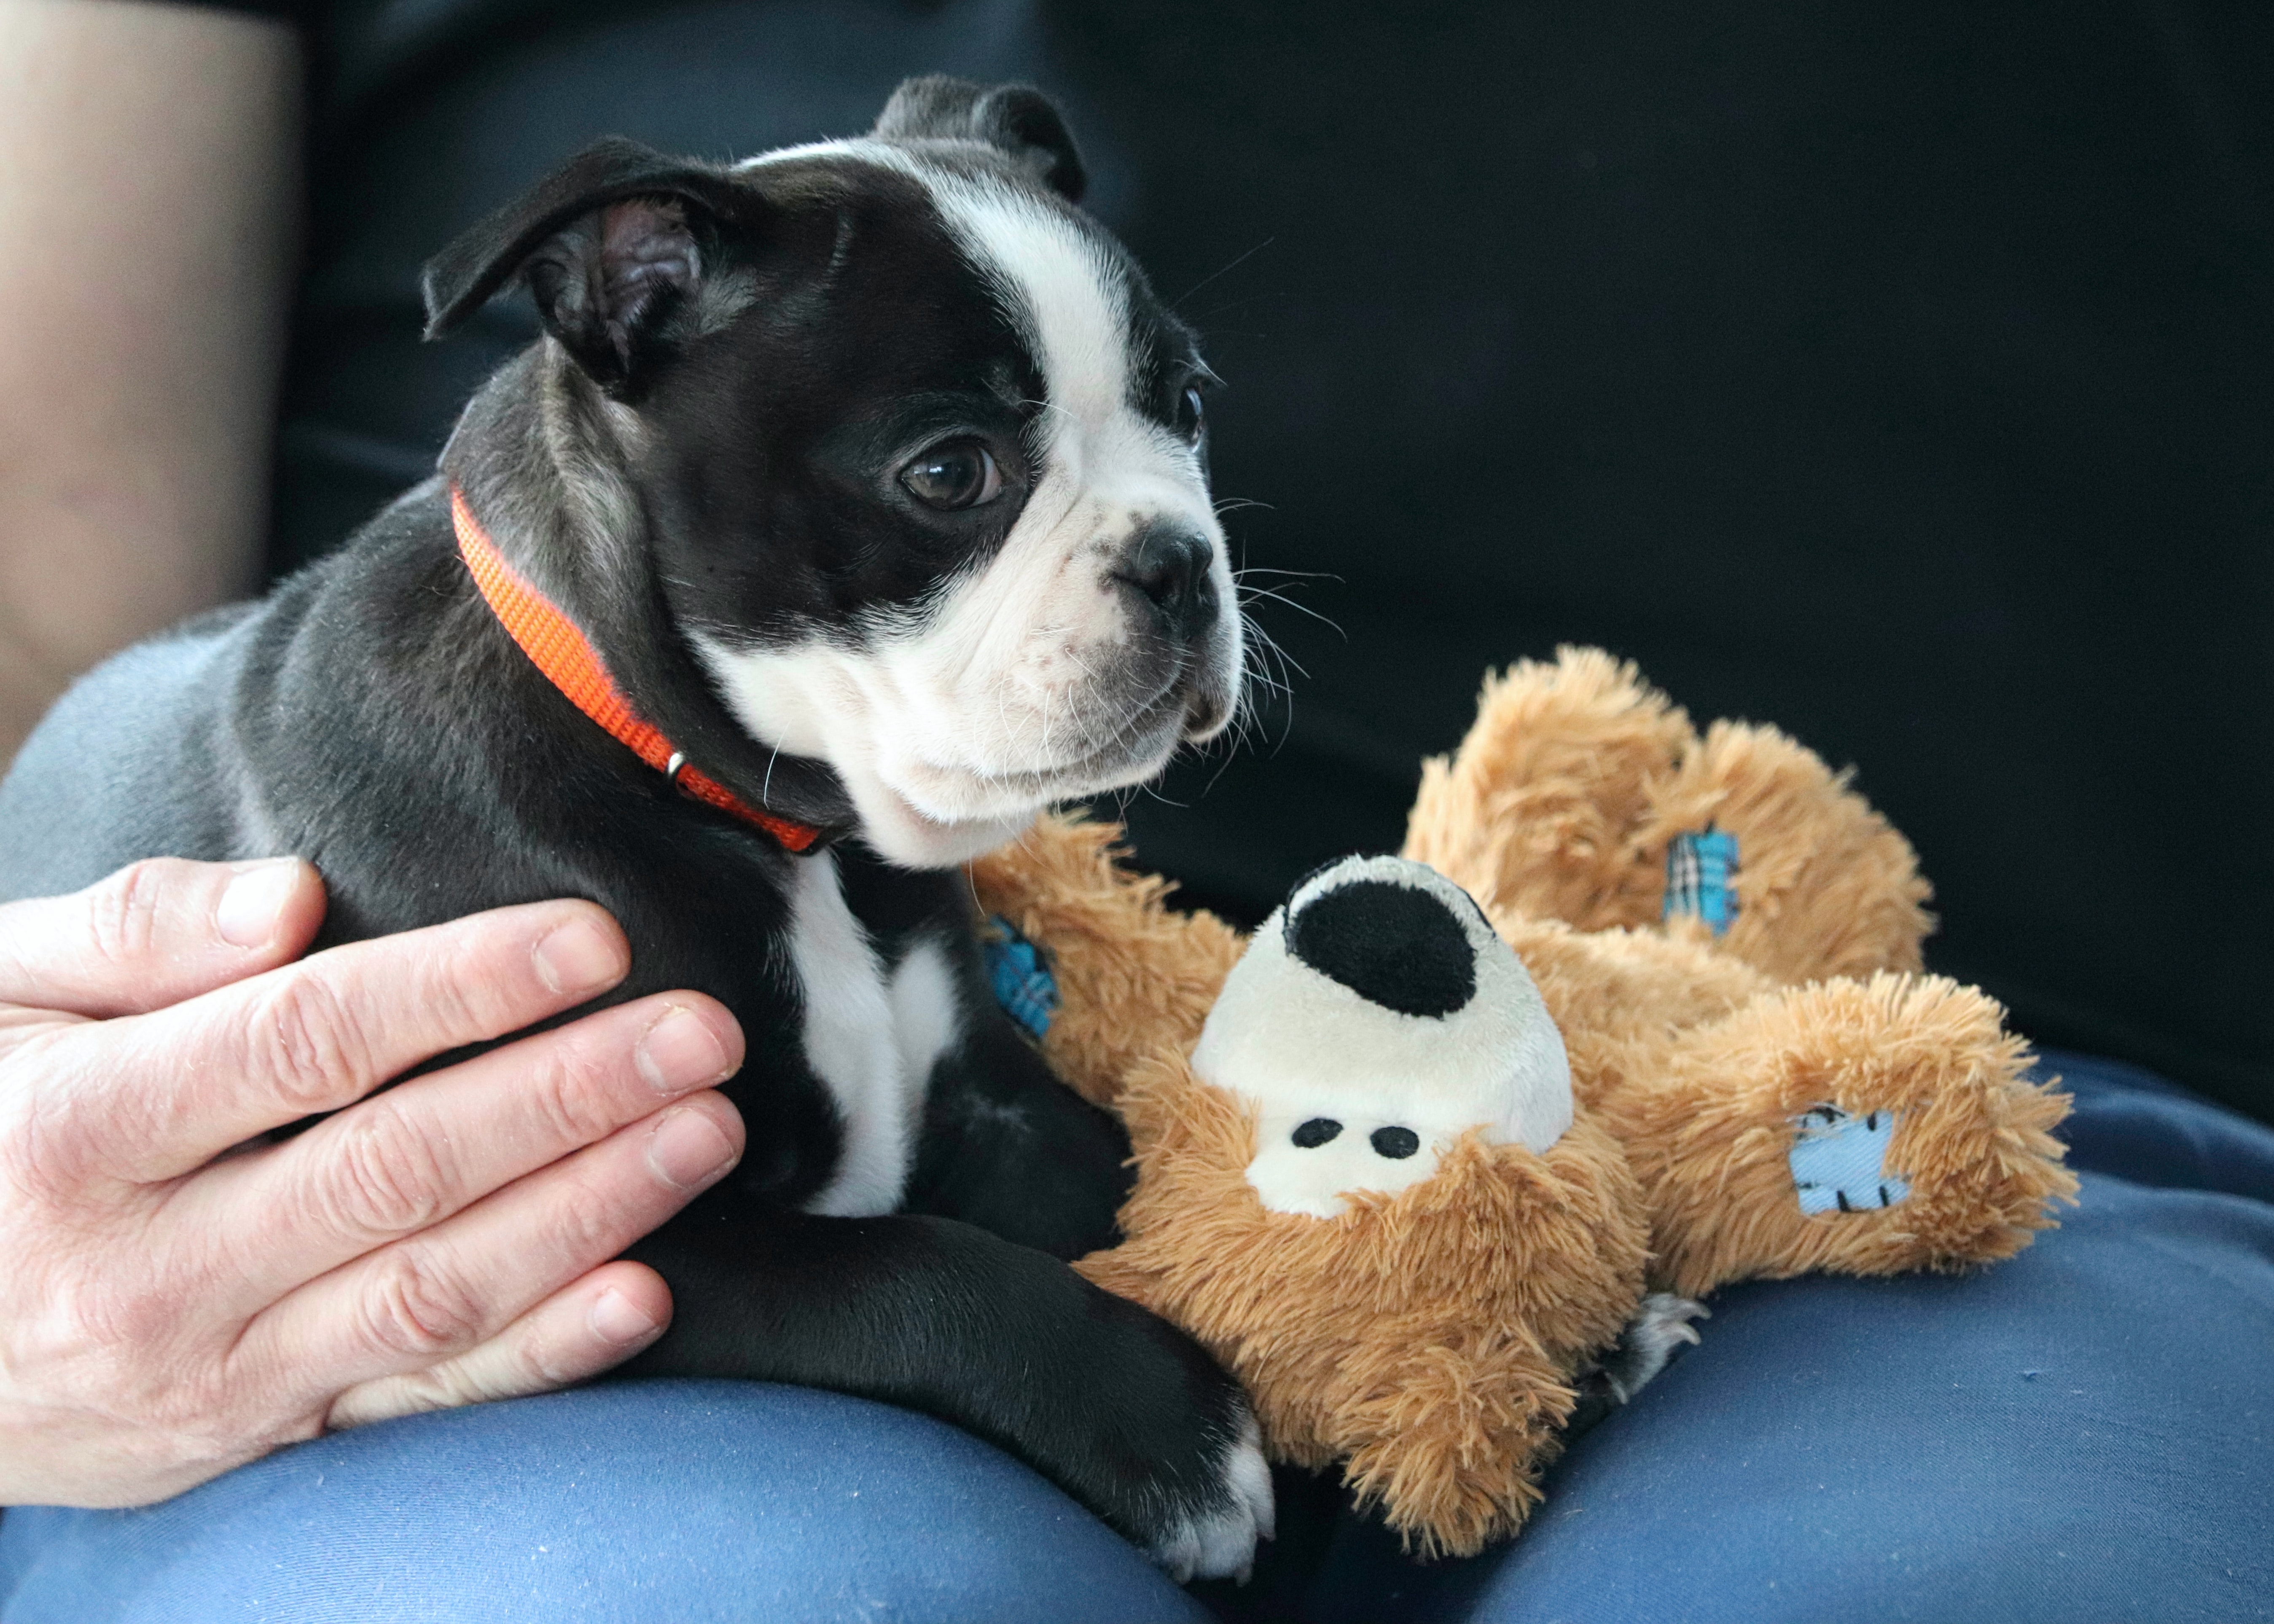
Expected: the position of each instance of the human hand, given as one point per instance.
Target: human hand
(174, 1304)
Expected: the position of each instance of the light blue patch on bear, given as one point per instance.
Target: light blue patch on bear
(1839, 1162)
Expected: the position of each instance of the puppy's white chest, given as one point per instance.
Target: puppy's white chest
(872, 1036)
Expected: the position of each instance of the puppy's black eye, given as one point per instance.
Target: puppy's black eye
(1192, 416)
(1395, 1143)
(959, 474)
(1316, 1132)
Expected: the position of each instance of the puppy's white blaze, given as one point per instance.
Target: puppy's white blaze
(950, 725)
(927, 1018)
(873, 1042)
(1295, 1045)
(1020, 643)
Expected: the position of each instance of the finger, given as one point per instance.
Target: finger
(424, 1151)
(156, 933)
(153, 1097)
(438, 1294)
(573, 1335)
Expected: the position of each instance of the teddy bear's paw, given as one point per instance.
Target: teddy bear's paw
(1840, 1161)
(1537, 811)
(1216, 1540)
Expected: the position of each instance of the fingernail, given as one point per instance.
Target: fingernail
(686, 1148)
(248, 911)
(582, 956)
(616, 1318)
(680, 1052)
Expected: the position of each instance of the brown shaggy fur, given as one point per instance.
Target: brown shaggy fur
(1133, 978)
(1578, 774)
(1427, 1339)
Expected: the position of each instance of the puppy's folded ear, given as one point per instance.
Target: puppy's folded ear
(1017, 118)
(608, 244)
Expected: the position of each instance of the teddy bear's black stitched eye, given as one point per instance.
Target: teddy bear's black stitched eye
(1396, 1143)
(1316, 1132)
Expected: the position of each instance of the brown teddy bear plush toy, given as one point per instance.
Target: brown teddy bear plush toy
(1456, 1137)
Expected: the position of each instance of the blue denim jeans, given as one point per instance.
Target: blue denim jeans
(2085, 1433)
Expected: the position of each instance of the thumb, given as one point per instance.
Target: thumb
(156, 932)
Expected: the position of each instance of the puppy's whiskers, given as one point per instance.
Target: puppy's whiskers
(1249, 594)
(1234, 264)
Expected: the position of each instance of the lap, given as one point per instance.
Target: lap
(2081, 1432)
(665, 1501)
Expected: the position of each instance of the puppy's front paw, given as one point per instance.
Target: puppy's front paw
(1164, 1446)
(1214, 1537)
(1653, 1337)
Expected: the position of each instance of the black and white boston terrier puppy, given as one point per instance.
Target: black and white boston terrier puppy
(874, 473)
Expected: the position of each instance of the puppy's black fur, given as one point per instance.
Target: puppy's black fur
(718, 458)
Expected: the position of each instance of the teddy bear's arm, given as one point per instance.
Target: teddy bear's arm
(1451, 1440)
(1862, 1127)
(1133, 975)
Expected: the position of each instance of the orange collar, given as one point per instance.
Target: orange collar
(572, 665)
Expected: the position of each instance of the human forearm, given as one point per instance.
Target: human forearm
(147, 206)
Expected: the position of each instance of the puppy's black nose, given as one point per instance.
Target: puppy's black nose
(1169, 567)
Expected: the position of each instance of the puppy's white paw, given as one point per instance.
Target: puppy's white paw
(1218, 1540)
(1660, 1324)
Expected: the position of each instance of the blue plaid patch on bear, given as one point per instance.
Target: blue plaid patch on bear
(1701, 872)
(1019, 975)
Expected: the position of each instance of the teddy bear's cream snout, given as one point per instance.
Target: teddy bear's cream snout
(1372, 1022)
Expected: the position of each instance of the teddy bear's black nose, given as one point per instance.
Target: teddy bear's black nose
(1391, 945)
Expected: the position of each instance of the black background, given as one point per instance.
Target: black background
(1901, 374)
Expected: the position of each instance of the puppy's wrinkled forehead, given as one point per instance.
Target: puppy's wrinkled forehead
(1092, 339)
(1064, 286)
